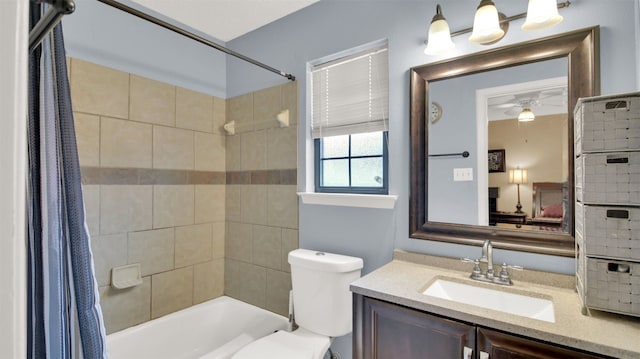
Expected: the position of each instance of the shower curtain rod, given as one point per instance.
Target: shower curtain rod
(49, 20)
(192, 36)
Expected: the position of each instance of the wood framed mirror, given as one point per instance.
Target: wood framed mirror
(581, 50)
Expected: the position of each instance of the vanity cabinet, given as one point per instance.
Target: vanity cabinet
(383, 330)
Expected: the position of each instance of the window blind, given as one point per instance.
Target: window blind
(351, 95)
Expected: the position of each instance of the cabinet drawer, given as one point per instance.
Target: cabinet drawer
(605, 231)
(608, 178)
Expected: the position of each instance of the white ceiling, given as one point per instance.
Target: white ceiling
(225, 19)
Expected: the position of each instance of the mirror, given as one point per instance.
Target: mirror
(579, 51)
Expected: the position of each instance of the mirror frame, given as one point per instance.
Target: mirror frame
(582, 49)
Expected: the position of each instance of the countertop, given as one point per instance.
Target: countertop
(402, 282)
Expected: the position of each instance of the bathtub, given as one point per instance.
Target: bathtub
(213, 330)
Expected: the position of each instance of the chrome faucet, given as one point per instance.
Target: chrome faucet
(487, 257)
(489, 274)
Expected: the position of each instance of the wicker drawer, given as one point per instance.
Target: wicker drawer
(609, 231)
(612, 285)
(609, 123)
(608, 178)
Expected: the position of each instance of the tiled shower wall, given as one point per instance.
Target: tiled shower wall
(262, 205)
(153, 165)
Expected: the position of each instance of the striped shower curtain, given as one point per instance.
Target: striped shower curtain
(64, 317)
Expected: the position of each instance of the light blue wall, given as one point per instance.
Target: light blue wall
(103, 35)
(331, 26)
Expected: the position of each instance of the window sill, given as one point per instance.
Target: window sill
(349, 200)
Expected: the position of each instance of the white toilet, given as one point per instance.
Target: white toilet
(321, 305)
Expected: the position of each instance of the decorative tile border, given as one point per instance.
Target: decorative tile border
(145, 176)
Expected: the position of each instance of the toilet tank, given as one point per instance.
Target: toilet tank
(321, 297)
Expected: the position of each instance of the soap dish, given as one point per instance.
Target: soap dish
(126, 276)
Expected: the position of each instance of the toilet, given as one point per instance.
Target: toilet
(321, 305)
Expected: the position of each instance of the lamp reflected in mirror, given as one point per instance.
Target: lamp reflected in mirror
(518, 176)
(526, 115)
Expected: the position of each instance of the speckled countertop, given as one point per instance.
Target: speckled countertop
(403, 280)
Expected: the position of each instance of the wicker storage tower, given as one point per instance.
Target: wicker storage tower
(607, 185)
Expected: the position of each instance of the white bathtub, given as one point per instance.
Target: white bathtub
(213, 330)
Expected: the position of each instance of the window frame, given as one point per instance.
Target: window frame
(383, 190)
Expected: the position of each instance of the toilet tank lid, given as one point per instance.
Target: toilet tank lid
(323, 261)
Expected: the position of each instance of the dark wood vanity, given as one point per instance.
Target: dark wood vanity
(384, 330)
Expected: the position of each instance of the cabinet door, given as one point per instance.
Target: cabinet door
(390, 331)
(505, 346)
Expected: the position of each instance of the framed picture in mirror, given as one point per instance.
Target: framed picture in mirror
(496, 161)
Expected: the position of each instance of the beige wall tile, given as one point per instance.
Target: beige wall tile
(219, 114)
(289, 243)
(209, 203)
(266, 105)
(99, 90)
(173, 148)
(108, 252)
(267, 246)
(290, 100)
(193, 244)
(127, 307)
(152, 101)
(218, 239)
(154, 250)
(278, 287)
(282, 206)
(171, 291)
(208, 280)
(253, 150)
(194, 110)
(88, 138)
(239, 244)
(125, 208)
(124, 144)
(209, 152)
(282, 148)
(254, 204)
(240, 110)
(173, 206)
(233, 198)
(246, 282)
(232, 153)
(91, 196)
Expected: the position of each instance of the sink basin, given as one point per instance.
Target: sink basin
(513, 303)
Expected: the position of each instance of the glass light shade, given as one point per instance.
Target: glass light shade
(541, 14)
(518, 176)
(486, 24)
(526, 115)
(439, 40)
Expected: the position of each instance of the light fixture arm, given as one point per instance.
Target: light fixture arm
(508, 19)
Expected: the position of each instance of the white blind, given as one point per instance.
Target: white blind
(351, 95)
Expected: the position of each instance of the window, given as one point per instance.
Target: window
(349, 124)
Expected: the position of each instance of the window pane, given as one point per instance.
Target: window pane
(366, 172)
(335, 173)
(366, 144)
(335, 146)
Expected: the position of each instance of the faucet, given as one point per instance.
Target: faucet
(489, 274)
(487, 257)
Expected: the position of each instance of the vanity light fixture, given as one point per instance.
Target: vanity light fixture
(526, 115)
(540, 14)
(518, 176)
(439, 35)
(486, 24)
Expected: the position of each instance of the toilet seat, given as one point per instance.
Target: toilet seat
(299, 344)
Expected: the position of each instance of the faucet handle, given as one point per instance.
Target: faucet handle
(476, 272)
(504, 274)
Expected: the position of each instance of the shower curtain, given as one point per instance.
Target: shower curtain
(64, 319)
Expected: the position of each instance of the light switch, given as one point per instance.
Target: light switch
(463, 174)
